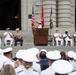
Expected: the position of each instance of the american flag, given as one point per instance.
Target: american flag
(32, 19)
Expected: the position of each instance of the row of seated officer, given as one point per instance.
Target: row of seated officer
(64, 40)
(9, 37)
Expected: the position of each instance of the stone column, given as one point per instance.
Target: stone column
(64, 12)
(73, 12)
(24, 15)
(47, 4)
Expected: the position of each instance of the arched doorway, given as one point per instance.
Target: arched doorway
(10, 14)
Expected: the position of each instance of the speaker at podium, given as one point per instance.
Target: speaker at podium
(40, 36)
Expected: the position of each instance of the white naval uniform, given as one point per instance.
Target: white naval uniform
(8, 37)
(8, 61)
(21, 70)
(58, 35)
(39, 26)
(36, 67)
(72, 73)
(68, 39)
(48, 71)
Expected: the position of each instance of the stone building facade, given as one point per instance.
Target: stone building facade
(63, 13)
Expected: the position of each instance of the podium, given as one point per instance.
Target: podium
(40, 36)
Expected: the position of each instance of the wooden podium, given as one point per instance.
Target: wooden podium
(40, 36)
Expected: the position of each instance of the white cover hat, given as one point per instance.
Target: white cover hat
(53, 55)
(17, 28)
(34, 50)
(57, 51)
(19, 53)
(70, 54)
(74, 56)
(44, 50)
(1, 51)
(39, 21)
(29, 57)
(62, 67)
(6, 50)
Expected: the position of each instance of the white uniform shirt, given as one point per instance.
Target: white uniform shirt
(24, 71)
(48, 71)
(9, 61)
(65, 35)
(36, 67)
(39, 26)
(8, 36)
(57, 35)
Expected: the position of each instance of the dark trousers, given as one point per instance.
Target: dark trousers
(18, 40)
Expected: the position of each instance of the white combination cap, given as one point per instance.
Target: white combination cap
(29, 57)
(44, 50)
(17, 28)
(7, 28)
(57, 51)
(62, 67)
(1, 51)
(53, 55)
(74, 56)
(33, 50)
(39, 21)
(6, 50)
(70, 54)
(20, 53)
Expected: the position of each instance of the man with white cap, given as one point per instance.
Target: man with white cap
(19, 67)
(58, 38)
(71, 54)
(52, 56)
(28, 60)
(8, 36)
(39, 24)
(62, 67)
(18, 37)
(7, 52)
(35, 52)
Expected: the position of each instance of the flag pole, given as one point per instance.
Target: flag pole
(51, 22)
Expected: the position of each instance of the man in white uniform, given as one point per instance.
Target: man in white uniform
(8, 36)
(67, 37)
(58, 37)
(7, 52)
(39, 24)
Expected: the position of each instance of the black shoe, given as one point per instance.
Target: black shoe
(21, 44)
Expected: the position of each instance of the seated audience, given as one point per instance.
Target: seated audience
(18, 37)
